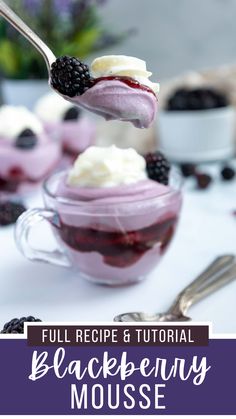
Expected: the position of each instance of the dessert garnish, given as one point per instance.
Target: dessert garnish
(158, 167)
(72, 114)
(69, 76)
(227, 173)
(117, 88)
(191, 99)
(10, 212)
(16, 326)
(26, 139)
(105, 167)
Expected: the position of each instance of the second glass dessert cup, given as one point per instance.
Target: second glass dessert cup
(22, 170)
(113, 244)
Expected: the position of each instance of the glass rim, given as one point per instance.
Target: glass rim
(175, 175)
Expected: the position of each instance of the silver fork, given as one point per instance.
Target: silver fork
(219, 273)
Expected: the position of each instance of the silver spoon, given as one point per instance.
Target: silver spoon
(21, 27)
(219, 273)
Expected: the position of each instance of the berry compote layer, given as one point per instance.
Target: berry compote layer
(116, 235)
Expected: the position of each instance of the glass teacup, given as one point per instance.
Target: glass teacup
(114, 244)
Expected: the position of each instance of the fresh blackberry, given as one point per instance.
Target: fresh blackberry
(17, 325)
(158, 167)
(26, 139)
(189, 99)
(178, 100)
(188, 169)
(9, 212)
(203, 180)
(69, 76)
(227, 173)
(72, 114)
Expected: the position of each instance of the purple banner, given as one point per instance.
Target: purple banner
(113, 380)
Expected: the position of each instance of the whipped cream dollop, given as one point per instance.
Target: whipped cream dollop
(15, 119)
(51, 108)
(122, 65)
(107, 167)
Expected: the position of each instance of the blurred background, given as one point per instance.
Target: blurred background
(185, 43)
(175, 36)
(172, 36)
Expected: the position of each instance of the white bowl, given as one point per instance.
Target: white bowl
(197, 136)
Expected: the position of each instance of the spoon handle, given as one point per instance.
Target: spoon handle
(21, 27)
(220, 272)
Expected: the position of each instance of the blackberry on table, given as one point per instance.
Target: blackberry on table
(227, 173)
(10, 211)
(158, 167)
(16, 326)
(203, 180)
(26, 139)
(72, 114)
(69, 76)
(188, 169)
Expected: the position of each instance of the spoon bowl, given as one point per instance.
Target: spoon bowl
(219, 273)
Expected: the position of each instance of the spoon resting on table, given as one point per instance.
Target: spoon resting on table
(118, 87)
(219, 273)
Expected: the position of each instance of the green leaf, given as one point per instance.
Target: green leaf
(83, 43)
(10, 59)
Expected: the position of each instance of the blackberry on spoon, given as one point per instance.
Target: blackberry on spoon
(69, 76)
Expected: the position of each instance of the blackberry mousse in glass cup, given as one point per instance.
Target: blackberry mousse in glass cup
(75, 129)
(111, 221)
(27, 153)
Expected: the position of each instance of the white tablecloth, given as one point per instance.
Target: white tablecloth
(207, 229)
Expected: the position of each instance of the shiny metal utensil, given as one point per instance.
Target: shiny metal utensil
(21, 27)
(219, 273)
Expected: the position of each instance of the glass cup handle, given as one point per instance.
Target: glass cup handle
(24, 226)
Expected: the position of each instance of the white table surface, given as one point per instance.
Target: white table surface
(207, 229)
